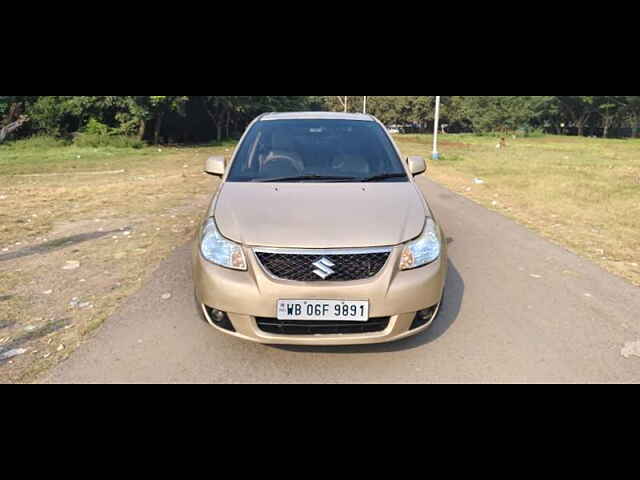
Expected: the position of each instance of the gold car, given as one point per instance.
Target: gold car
(318, 235)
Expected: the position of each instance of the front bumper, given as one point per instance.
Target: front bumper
(248, 295)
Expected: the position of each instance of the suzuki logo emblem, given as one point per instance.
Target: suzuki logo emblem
(323, 268)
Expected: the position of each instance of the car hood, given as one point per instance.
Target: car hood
(336, 215)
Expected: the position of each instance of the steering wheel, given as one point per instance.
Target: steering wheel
(282, 158)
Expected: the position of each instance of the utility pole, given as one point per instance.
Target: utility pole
(364, 109)
(436, 154)
(345, 103)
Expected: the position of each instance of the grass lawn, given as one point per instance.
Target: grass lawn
(582, 193)
(45, 155)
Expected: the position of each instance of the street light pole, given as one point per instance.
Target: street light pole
(365, 106)
(436, 154)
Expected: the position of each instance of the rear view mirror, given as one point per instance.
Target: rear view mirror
(417, 165)
(215, 166)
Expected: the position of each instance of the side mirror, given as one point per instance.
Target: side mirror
(417, 165)
(215, 166)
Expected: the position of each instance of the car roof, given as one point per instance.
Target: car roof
(316, 116)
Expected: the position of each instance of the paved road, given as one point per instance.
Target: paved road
(517, 309)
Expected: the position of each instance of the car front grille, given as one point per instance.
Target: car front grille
(300, 327)
(339, 266)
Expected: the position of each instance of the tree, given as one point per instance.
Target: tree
(186, 118)
(11, 118)
(631, 110)
(348, 104)
(56, 115)
(159, 107)
(390, 110)
(500, 113)
(4, 107)
(610, 110)
(226, 112)
(578, 110)
(12, 115)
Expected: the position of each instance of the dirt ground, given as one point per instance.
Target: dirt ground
(74, 244)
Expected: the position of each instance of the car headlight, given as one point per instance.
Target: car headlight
(424, 250)
(217, 249)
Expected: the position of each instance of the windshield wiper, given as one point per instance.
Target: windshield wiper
(384, 176)
(307, 177)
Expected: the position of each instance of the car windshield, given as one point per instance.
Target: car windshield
(317, 151)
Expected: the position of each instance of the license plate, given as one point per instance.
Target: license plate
(323, 310)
